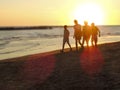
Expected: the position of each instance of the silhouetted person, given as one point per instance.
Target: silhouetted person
(86, 33)
(95, 32)
(77, 33)
(66, 38)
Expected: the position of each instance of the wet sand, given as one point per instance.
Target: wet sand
(93, 68)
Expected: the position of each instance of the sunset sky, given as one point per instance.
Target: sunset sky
(58, 12)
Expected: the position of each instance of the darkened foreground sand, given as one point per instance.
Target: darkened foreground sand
(93, 68)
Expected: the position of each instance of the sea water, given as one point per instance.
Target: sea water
(17, 43)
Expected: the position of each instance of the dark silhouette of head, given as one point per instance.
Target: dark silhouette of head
(65, 26)
(75, 21)
(92, 24)
(85, 22)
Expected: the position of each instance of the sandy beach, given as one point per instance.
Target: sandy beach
(93, 68)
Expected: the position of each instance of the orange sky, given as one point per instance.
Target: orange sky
(54, 12)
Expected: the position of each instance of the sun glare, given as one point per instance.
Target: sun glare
(90, 12)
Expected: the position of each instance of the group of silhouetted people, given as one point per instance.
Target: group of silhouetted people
(82, 34)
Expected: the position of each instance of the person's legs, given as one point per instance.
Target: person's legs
(63, 46)
(76, 44)
(83, 41)
(87, 43)
(69, 45)
(80, 42)
(92, 41)
(96, 40)
(88, 39)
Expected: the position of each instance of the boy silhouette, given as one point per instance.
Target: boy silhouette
(66, 38)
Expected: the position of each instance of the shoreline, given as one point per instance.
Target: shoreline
(54, 51)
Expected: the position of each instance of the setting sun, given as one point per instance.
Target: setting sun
(47, 12)
(90, 12)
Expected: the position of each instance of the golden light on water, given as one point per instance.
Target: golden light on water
(90, 12)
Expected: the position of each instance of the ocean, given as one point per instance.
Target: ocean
(17, 43)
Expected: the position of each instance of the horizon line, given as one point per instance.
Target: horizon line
(52, 25)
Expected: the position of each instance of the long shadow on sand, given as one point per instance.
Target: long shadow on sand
(89, 69)
(75, 70)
